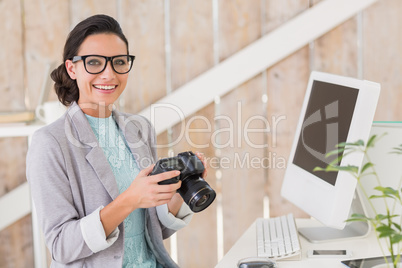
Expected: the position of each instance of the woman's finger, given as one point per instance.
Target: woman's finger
(201, 156)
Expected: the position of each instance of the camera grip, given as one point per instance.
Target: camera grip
(169, 181)
(160, 168)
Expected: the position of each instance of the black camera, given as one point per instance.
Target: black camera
(195, 191)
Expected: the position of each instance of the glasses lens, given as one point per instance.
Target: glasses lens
(122, 64)
(94, 64)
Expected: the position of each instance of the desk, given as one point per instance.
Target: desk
(246, 246)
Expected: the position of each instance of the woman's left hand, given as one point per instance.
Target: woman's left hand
(204, 162)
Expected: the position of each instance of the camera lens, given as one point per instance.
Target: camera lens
(202, 200)
(197, 193)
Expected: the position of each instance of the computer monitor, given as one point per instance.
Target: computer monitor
(335, 109)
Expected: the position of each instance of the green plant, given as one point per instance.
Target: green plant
(387, 226)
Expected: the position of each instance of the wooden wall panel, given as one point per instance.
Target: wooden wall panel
(242, 186)
(278, 12)
(143, 25)
(286, 82)
(314, 2)
(242, 172)
(191, 40)
(46, 25)
(382, 55)
(286, 85)
(197, 242)
(16, 249)
(336, 52)
(11, 57)
(12, 162)
(35, 40)
(239, 25)
(79, 10)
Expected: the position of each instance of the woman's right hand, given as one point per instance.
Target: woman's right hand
(145, 192)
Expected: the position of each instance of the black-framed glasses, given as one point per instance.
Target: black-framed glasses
(95, 64)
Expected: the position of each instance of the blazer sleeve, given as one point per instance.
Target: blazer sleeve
(172, 222)
(54, 200)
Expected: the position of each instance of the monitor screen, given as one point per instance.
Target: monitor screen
(335, 109)
(326, 123)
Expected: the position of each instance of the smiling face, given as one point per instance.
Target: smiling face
(98, 91)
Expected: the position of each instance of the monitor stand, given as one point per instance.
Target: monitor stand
(354, 229)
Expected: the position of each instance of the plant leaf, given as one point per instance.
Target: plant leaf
(366, 166)
(349, 168)
(397, 226)
(371, 141)
(353, 169)
(351, 145)
(396, 238)
(397, 150)
(359, 143)
(388, 192)
(385, 231)
(383, 196)
(337, 160)
(381, 217)
(341, 145)
(335, 152)
(318, 169)
(359, 217)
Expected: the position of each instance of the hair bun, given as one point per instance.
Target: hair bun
(65, 87)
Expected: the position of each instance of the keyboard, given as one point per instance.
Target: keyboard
(277, 238)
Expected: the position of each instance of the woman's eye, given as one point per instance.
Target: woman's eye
(119, 62)
(93, 62)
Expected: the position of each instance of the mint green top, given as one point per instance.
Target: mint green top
(125, 169)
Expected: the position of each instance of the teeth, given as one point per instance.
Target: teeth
(105, 87)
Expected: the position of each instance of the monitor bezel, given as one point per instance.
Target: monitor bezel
(330, 204)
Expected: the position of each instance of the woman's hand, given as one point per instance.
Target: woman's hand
(145, 191)
(204, 162)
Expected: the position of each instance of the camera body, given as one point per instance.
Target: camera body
(195, 191)
(187, 163)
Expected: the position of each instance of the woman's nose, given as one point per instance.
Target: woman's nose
(108, 72)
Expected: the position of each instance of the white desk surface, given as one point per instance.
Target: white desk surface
(360, 248)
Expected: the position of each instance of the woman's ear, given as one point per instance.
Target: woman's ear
(70, 67)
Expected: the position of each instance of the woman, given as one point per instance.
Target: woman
(81, 168)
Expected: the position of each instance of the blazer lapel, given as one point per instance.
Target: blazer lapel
(96, 157)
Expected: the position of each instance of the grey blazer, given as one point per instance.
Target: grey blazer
(70, 178)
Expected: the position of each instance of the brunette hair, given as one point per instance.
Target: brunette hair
(66, 88)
